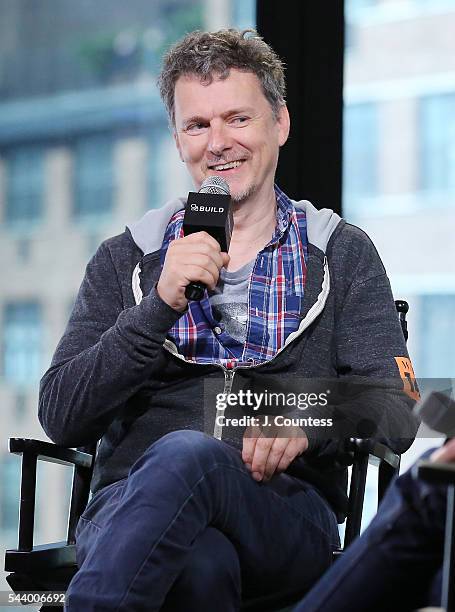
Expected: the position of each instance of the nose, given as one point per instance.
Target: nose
(219, 139)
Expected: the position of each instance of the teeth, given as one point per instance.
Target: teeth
(228, 166)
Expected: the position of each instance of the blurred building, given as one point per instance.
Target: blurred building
(399, 167)
(84, 149)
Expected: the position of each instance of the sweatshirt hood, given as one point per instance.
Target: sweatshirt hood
(148, 231)
(320, 223)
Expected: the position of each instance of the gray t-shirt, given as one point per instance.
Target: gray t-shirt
(229, 301)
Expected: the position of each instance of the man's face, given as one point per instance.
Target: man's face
(228, 129)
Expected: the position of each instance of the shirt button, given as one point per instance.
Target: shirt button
(217, 330)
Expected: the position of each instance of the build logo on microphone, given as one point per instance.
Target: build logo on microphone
(202, 208)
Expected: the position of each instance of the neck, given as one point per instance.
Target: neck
(253, 228)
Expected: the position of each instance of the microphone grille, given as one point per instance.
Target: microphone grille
(215, 184)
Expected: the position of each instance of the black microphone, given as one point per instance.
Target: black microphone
(437, 410)
(208, 210)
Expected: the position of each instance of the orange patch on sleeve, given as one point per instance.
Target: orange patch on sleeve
(409, 380)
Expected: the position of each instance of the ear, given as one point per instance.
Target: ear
(177, 144)
(284, 124)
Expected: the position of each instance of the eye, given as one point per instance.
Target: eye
(239, 120)
(194, 128)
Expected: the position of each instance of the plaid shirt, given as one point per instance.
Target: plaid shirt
(275, 295)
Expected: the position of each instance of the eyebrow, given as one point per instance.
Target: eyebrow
(225, 115)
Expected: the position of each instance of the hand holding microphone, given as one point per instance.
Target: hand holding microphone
(194, 262)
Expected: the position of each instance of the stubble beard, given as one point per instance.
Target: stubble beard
(242, 196)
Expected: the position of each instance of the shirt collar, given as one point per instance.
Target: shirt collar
(284, 213)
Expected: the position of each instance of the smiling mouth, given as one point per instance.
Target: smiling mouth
(227, 166)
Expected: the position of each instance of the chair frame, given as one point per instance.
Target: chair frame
(51, 566)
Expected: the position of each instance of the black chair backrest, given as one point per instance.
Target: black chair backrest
(51, 566)
(80, 492)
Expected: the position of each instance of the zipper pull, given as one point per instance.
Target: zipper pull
(229, 371)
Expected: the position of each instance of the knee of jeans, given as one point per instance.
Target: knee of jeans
(186, 446)
(213, 569)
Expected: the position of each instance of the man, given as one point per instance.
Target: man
(398, 558)
(184, 515)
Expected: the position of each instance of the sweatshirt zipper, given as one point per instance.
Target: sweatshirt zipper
(229, 373)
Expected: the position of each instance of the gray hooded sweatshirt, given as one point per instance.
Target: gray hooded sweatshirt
(115, 375)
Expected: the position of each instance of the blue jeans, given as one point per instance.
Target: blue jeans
(396, 563)
(189, 529)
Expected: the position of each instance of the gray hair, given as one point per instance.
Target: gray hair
(206, 54)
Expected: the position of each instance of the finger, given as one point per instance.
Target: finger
(207, 251)
(205, 262)
(292, 450)
(249, 443)
(202, 238)
(212, 257)
(444, 453)
(261, 453)
(188, 250)
(193, 273)
(275, 455)
(226, 259)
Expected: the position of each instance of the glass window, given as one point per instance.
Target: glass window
(25, 184)
(359, 4)
(10, 470)
(437, 333)
(357, 8)
(244, 13)
(399, 163)
(93, 177)
(22, 342)
(438, 143)
(159, 142)
(360, 170)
